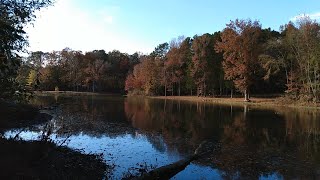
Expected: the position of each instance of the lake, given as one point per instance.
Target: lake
(135, 133)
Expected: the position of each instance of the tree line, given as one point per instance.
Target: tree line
(95, 71)
(243, 58)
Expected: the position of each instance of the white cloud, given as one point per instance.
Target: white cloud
(314, 16)
(65, 25)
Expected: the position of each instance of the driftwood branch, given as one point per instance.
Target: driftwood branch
(168, 171)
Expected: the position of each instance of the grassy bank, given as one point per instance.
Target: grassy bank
(254, 101)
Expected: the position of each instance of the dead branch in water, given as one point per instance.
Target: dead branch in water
(168, 171)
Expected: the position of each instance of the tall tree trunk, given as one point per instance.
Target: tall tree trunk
(172, 89)
(179, 88)
(316, 82)
(231, 92)
(165, 89)
(221, 88)
(204, 89)
(198, 90)
(287, 76)
(246, 96)
(165, 84)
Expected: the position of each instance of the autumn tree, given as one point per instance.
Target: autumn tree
(130, 83)
(241, 48)
(96, 66)
(146, 76)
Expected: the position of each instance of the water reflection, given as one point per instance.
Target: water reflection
(92, 115)
(255, 143)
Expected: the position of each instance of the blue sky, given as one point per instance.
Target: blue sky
(140, 25)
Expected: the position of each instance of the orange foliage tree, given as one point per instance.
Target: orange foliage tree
(146, 76)
(240, 46)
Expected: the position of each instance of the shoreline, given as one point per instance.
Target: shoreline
(262, 102)
(272, 102)
(74, 93)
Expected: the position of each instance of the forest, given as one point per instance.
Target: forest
(242, 59)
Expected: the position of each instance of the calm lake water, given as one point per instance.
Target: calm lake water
(240, 141)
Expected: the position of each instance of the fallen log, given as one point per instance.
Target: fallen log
(168, 171)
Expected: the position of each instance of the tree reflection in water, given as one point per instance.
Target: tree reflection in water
(91, 115)
(254, 142)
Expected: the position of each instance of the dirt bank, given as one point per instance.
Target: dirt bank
(266, 102)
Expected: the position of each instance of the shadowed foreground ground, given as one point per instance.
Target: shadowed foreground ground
(41, 159)
(44, 160)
